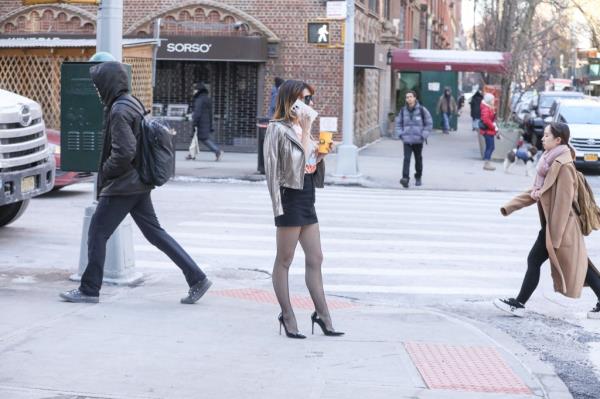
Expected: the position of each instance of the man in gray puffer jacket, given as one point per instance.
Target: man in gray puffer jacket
(413, 126)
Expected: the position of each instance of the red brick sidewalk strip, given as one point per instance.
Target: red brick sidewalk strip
(263, 296)
(464, 368)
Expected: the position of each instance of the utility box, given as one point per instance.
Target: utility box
(81, 118)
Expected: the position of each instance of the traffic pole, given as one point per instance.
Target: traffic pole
(347, 157)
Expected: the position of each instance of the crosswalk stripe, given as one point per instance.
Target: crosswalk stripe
(429, 244)
(474, 235)
(388, 214)
(420, 290)
(363, 220)
(369, 255)
(426, 272)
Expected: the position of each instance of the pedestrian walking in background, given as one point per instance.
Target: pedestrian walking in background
(293, 169)
(274, 90)
(461, 101)
(476, 109)
(121, 191)
(560, 238)
(488, 129)
(447, 107)
(202, 123)
(413, 126)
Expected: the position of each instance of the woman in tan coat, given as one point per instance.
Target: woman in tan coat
(560, 238)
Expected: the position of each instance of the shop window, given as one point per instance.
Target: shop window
(233, 88)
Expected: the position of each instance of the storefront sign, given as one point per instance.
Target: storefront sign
(213, 48)
(337, 10)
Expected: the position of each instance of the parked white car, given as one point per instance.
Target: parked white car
(583, 118)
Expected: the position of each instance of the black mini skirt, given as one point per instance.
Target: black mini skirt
(298, 205)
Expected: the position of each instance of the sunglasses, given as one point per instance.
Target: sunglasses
(308, 99)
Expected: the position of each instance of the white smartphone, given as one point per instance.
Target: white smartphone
(300, 107)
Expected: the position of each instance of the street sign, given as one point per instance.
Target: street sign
(337, 10)
(318, 32)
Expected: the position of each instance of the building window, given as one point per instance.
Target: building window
(386, 9)
(374, 6)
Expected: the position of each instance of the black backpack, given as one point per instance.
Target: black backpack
(157, 158)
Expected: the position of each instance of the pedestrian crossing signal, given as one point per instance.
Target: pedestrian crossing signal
(318, 32)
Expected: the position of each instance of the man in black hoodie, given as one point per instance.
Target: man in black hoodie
(476, 109)
(202, 122)
(120, 190)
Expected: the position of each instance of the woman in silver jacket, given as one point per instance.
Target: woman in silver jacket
(294, 168)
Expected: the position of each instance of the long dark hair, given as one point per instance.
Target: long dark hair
(561, 130)
(288, 93)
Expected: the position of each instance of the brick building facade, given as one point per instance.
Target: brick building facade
(240, 81)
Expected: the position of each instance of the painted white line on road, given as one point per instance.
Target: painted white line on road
(447, 273)
(208, 238)
(268, 227)
(356, 218)
(420, 290)
(369, 255)
(415, 212)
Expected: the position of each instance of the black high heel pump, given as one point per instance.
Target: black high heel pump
(330, 333)
(287, 333)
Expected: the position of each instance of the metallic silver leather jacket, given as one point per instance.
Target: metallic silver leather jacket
(285, 162)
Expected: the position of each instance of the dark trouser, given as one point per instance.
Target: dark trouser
(109, 213)
(210, 144)
(537, 256)
(408, 151)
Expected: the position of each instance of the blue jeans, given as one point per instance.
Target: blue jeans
(446, 121)
(489, 147)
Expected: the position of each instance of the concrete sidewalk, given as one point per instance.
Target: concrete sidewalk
(451, 162)
(139, 342)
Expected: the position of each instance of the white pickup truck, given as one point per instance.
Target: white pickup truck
(26, 161)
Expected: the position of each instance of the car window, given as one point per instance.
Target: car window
(580, 115)
(546, 101)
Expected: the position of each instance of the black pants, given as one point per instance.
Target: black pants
(109, 213)
(537, 256)
(409, 149)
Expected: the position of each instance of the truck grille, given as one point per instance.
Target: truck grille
(21, 147)
(585, 144)
(18, 154)
(16, 140)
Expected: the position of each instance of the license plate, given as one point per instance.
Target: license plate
(590, 157)
(27, 184)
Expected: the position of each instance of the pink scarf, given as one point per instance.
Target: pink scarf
(544, 166)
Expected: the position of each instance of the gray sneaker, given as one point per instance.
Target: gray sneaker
(404, 182)
(197, 291)
(77, 296)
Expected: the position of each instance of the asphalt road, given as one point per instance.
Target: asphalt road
(439, 249)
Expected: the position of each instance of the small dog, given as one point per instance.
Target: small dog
(524, 153)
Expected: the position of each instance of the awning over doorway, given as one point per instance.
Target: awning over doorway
(451, 60)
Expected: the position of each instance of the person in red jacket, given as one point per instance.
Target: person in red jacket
(488, 129)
